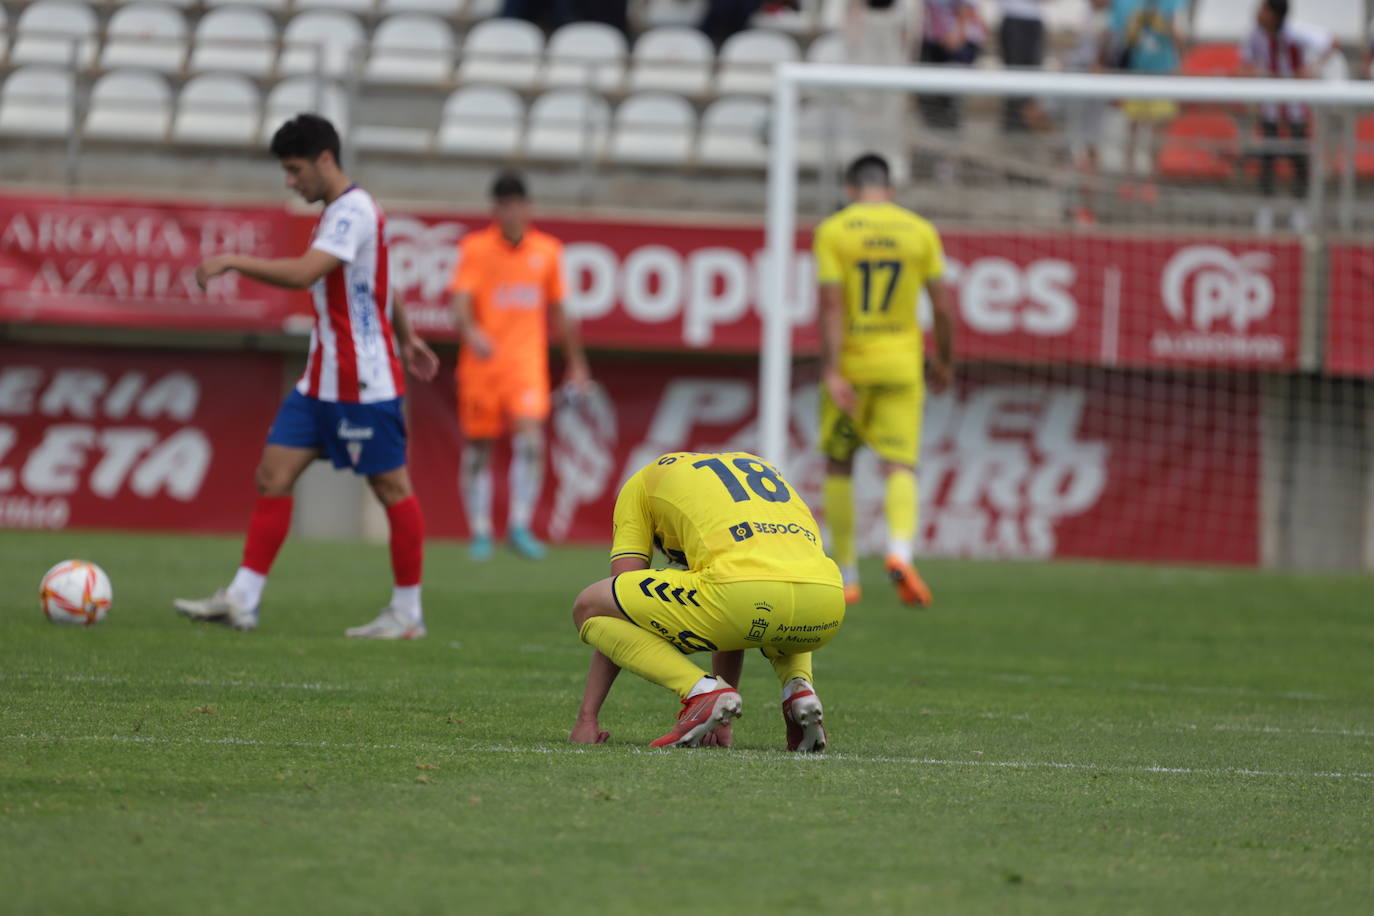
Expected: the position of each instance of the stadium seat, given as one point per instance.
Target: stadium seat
(828, 49)
(666, 13)
(37, 102)
(129, 105)
(502, 51)
(1199, 146)
(448, 9)
(477, 10)
(653, 127)
(321, 41)
(482, 121)
(411, 48)
(672, 59)
(47, 31)
(4, 34)
(387, 138)
(747, 60)
(567, 124)
(1211, 60)
(145, 35)
(238, 39)
(734, 133)
(300, 94)
(351, 6)
(274, 5)
(218, 108)
(573, 47)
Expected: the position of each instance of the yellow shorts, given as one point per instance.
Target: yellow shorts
(782, 618)
(888, 420)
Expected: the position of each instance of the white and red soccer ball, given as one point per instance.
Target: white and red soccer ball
(76, 592)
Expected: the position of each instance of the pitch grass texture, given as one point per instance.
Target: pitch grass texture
(1060, 738)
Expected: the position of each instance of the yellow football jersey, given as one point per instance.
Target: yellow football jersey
(730, 517)
(882, 255)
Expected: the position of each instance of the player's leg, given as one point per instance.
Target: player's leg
(816, 615)
(480, 421)
(527, 404)
(292, 444)
(839, 439)
(896, 435)
(381, 458)
(650, 633)
(526, 483)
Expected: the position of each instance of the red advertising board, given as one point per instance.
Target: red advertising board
(1350, 315)
(1016, 465)
(132, 263)
(1030, 298)
(155, 439)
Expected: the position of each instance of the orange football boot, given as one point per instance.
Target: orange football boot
(910, 587)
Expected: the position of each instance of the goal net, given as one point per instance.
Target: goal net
(1164, 308)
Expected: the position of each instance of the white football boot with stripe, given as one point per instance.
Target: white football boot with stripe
(218, 608)
(388, 625)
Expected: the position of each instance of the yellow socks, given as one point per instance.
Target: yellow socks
(786, 667)
(838, 493)
(899, 504)
(641, 652)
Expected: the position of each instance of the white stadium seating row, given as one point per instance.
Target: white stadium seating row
(408, 48)
(228, 110)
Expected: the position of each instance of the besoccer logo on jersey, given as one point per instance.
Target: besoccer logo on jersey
(741, 531)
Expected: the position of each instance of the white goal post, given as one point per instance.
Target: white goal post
(792, 80)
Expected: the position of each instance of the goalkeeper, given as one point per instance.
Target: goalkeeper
(873, 258)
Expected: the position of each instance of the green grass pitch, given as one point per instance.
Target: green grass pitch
(1051, 738)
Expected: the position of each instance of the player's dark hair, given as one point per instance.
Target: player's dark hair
(305, 136)
(1279, 8)
(868, 171)
(509, 186)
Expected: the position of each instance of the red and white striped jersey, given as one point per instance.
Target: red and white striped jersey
(352, 346)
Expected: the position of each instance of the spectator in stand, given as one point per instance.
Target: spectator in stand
(1083, 117)
(1022, 42)
(554, 14)
(726, 17)
(1147, 38)
(879, 32)
(951, 33)
(1283, 49)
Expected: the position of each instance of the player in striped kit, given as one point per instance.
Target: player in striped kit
(347, 405)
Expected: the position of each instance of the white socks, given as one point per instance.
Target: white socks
(526, 477)
(796, 685)
(474, 479)
(899, 548)
(850, 574)
(246, 589)
(708, 683)
(405, 602)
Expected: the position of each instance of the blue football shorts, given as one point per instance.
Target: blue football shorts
(365, 438)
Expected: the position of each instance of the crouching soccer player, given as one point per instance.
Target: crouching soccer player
(755, 577)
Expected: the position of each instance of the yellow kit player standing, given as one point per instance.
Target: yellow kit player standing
(755, 577)
(872, 260)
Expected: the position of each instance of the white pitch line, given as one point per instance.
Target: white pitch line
(1276, 730)
(1152, 769)
(187, 682)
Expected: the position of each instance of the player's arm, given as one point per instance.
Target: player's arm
(570, 338)
(288, 273)
(830, 294)
(631, 550)
(470, 333)
(419, 359)
(942, 366)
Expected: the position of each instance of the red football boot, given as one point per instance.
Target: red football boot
(701, 715)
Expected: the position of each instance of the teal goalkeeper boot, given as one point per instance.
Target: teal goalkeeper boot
(479, 548)
(526, 544)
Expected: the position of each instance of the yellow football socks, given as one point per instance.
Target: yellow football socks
(899, 504)
(838, 492)
(645, 654)
(786, 667)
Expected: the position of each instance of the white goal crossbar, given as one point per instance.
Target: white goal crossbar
(775, 357)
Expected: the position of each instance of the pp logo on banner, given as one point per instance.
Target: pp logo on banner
(741, 531)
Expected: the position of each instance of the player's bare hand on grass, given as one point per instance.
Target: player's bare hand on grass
(722, 736)
(841, 392)
(210, 268)
(420, 360)
(588, 731)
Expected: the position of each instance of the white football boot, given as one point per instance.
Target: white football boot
(804, 716)
(388, 625)
(218, 608)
